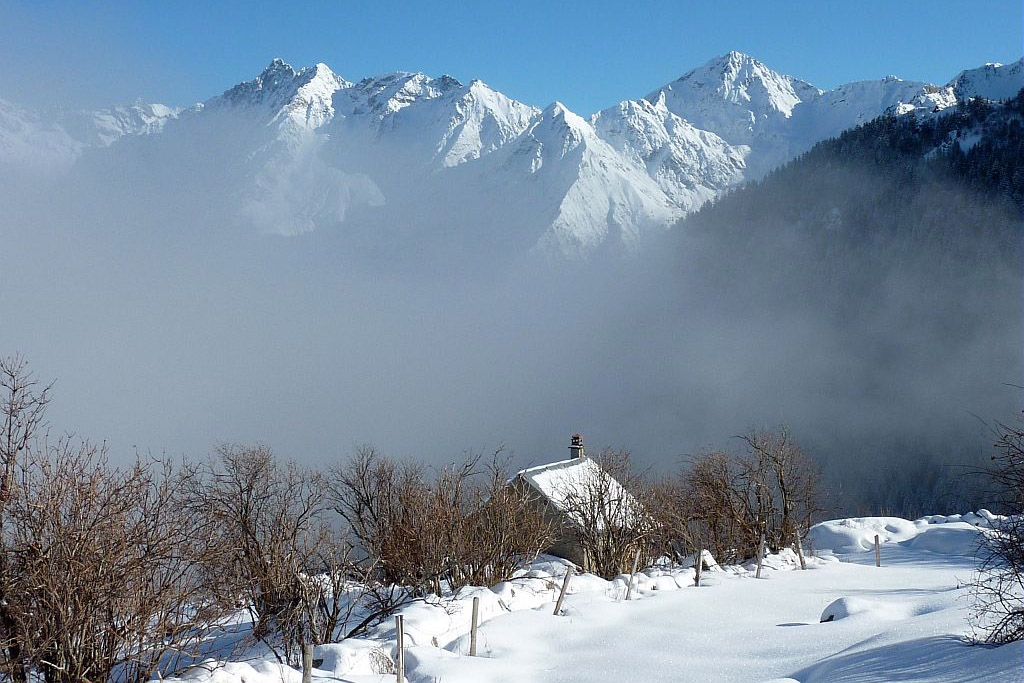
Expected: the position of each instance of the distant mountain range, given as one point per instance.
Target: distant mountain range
(51, 141)
(414, 156)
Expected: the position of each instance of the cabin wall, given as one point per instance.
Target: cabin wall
(565, 545)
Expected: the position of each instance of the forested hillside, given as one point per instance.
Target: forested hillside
(897, 248)
(913, 161)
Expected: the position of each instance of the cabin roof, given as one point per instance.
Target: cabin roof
(558, 481)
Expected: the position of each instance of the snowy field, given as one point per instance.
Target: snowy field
(904, 621)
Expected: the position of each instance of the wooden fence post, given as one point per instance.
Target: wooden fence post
(878, 552)
(760, 557)
(636, 561)
(698, 564)
(400, 656)
(472, 627)
(800, 550)
(561, 593)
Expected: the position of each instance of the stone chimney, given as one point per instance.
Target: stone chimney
(576, 449)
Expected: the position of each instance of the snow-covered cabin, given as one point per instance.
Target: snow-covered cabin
(567, 491)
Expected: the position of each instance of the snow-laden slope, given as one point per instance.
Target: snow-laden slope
(903, 621)
(599, 197)
(440, 122)
(849, 105)
(103, 127)
(689, 165)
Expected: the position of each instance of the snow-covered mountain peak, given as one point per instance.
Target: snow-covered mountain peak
(852, 104)
(558, 126)
(385, 95)
(557, 110)
(105, 126)
(735, 66)
(657, 101)
(478, 88)
(477, 120)
(52, 140)
(435, 121)
(736, 96)
(727, 67)
(738, 79)
(447, 83)
(389, 93)
(277, 64)
(299, 97)
(278, 76)
(993, 81)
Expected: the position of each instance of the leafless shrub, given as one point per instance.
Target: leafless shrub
(496, 529)
(277, 554)
(22, 407)
(431, 535)
(98, 566)
(382, 500)
(726, 501)
(998, 587)
(786, 485)
(104, 567)
(381, 661)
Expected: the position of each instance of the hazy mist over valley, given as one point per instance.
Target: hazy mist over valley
(250, 273)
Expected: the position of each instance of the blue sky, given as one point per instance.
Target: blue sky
(589, 55)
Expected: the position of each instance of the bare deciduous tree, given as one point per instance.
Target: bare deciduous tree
(786, 483)
(465, 526)
(22, 409)
(492, 528)
(725, 501)
(998, 587)
(277, 554)
(104, 567)
(716, 496)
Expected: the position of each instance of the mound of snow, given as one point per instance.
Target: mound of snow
(848, 607)
(858, 534)
(353, 657)
(948, 534)
(955, 538)
(242, 672)
(982, 518)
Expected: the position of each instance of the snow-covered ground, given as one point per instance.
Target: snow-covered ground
(904, 621)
